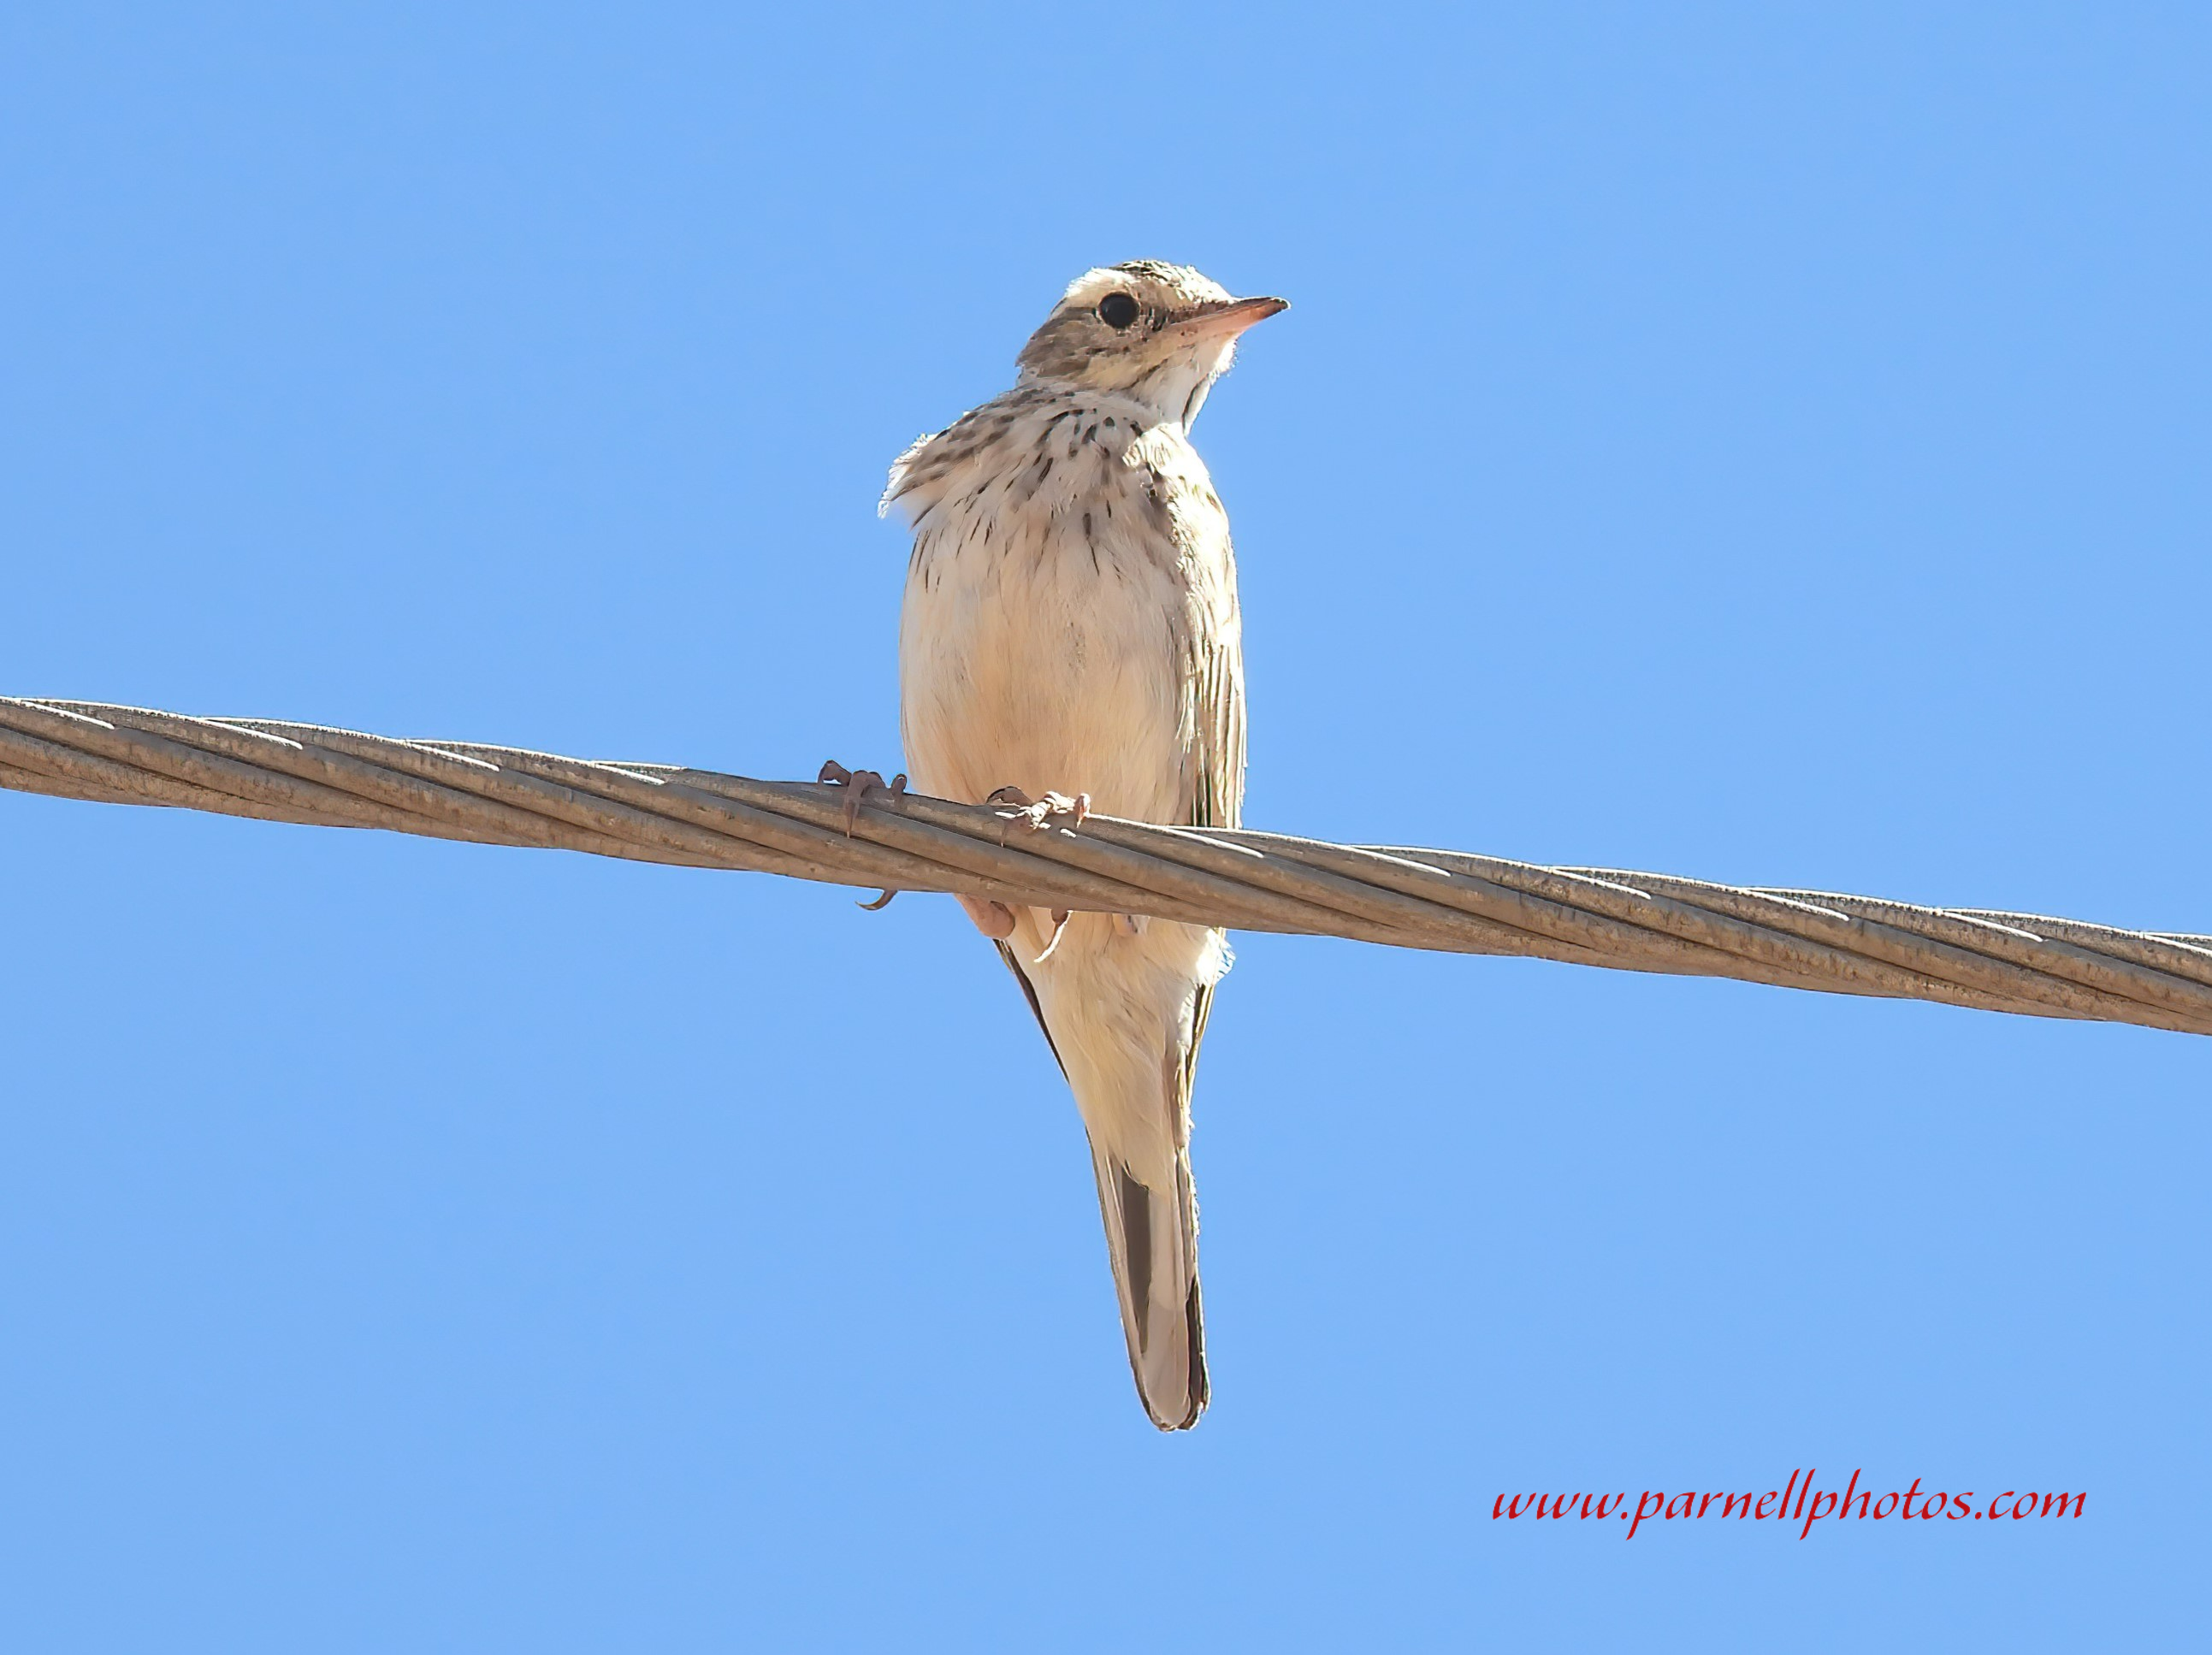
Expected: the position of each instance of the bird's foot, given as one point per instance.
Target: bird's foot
(995, 920)
(1041, 813)
(858, 785)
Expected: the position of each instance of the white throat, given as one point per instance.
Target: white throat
(1177, 388)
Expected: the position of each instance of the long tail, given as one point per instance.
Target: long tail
(1125, 1017)
(1151, 1235)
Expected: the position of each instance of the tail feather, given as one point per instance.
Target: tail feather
(1124, 1016)
(1151, 1236)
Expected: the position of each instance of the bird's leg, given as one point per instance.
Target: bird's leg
(857, 783)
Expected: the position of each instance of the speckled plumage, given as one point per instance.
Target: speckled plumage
(1070, 626)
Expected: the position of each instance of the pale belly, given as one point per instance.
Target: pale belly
(1055, 665)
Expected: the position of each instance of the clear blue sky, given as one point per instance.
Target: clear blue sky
(1766, 444)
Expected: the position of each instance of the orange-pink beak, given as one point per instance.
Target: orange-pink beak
(1231, 317)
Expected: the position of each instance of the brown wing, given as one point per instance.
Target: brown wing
(1036, 1011)
(1217, 792)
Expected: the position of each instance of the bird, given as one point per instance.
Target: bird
(1070, 641)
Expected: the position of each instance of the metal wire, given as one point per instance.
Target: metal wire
(1440, 899)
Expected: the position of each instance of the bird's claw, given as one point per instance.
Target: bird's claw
(858, 784)
(1059, 930)
(1041, 813)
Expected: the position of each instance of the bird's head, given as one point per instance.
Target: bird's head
(1159, 333)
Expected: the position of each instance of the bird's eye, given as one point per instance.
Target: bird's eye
(1117, 311)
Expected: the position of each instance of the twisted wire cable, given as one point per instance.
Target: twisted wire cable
(1447, 901)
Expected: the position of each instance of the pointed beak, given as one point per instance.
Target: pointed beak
(1228, 318)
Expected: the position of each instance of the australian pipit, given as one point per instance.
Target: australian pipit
(1070, 632)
